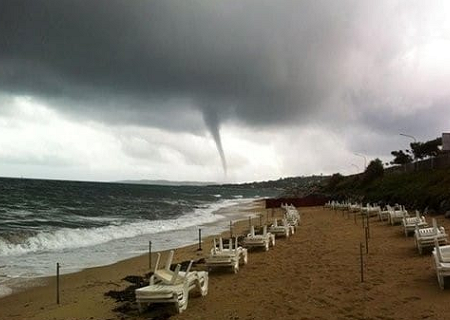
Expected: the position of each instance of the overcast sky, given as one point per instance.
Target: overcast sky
(226, 91)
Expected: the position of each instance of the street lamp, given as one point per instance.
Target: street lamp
(409, 136)
(363, 156)
(415, 141)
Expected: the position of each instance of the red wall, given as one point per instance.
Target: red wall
(308, 201)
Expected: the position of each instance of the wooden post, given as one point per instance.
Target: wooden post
(150, 255)
(199, 239)
(368, 227)
(367, 239)
(361, 261)
(260, 220)
(231, 229)
(57, 282)
(249, 223)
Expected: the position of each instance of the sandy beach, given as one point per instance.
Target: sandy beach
(314, 274)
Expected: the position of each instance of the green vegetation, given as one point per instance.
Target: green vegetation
(401, 157)
(419, 150)
(374, 170)
(415, 189)
(288, 187)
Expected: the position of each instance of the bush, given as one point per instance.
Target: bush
(334, 180)
(373, 171)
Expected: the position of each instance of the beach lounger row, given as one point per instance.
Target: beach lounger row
(167, 286)
(424, 237)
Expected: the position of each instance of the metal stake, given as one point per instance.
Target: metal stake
(149, 254)
(361, 261)
(57, 282)
(199, 239)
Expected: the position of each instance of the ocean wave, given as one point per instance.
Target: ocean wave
(70, 238)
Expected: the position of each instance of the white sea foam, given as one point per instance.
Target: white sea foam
(4, 290)
(69, 238)
(74, 249)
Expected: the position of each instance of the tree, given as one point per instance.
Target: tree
(401, 157)
(374, 170)
(334, 180)
(427, 149)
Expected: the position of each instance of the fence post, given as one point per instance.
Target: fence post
(199, 239)
(367, 239)
(231, 229)
(57, 282)
(361, 261)
(150, 255)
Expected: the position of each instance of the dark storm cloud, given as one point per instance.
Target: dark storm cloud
(156, 62)
(253, 60)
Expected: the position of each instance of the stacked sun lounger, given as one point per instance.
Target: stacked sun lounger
(283, 229)
(425, 237)
(264, 240)
(441, 258)
(230, 255)
(167, 286)
(410, 224)
(292, 216)
(396, 214)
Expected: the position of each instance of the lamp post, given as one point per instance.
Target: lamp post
(414, 139)
(363, 156)
(409, 136)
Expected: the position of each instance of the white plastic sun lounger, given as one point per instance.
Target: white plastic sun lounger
(441, 258)
(284, 230)
(396, 216)
(292, 216)
(355, 208)
(372, 210)
(259, 240)
(410, 224)
(168, 286)
(227, 256)
(383, 214)
(425, 237)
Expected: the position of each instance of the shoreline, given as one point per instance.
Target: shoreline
(41, 291)
(233, 212)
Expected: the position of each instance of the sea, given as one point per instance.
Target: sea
(87, 224)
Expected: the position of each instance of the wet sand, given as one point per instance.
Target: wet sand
(314, 274)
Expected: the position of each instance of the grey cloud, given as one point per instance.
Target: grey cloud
(263, 62)
(172, 64)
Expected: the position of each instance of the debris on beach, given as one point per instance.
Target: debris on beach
(127, 296)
